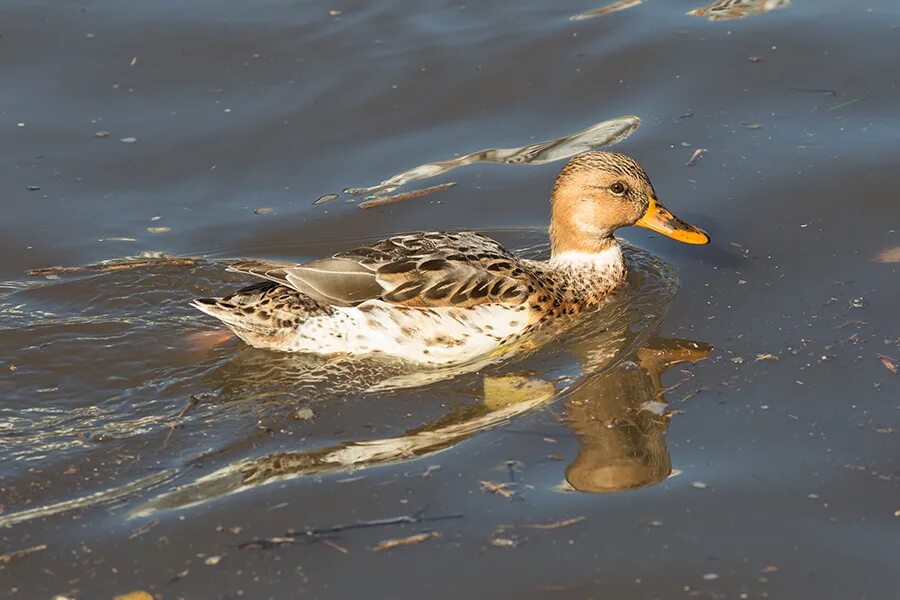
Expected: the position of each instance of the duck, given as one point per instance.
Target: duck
(444, 297)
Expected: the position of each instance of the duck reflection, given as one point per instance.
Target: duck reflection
(621, 423)
(726, 10)
(617, 416)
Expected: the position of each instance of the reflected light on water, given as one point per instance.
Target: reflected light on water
(596, 136)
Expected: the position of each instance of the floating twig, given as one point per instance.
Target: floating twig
(142, 530)
(316, 533)
(406, 541)
(16, 554)
(848, 103)
(336, 546)
(824, 92)
(556, 524)
(191, 404)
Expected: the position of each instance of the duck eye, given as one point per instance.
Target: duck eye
(618, 188)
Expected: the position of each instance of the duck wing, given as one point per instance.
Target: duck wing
(428, 269)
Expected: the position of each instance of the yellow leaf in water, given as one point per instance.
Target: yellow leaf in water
(888, 363)
(135, 595)
(889, 255)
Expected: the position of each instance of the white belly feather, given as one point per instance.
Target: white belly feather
(426, 335)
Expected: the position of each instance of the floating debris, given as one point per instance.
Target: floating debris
(501, 489)
(212, 560)
(325, 198)
(16, 554)
(889, 255)
(407, 541)
(824, 92)
(407, 195)
(32, 188)
(888, 363)
(710, 576)
(499, 542)
(117, 239)
(752, 126)
(699, 485)
(128, 140)
(133, 61)
(697, 155)
(101, 134)
(556, 524)
(557, 587)
(726, 10)
(304, 414)
(316, 534)
(848, 103)
(159, 229)
(766, 356)
(604, 10)
(136, 595)
(262, 211)
(142, 530)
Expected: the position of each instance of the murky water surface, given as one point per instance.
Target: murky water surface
(725, 427)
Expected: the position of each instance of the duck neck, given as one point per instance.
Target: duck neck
(578, 240)
(602, 256)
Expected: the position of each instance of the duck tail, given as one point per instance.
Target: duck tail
(263, 309)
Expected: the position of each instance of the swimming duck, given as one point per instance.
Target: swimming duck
(440, 297)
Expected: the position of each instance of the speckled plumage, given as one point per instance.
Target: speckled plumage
(440, 297)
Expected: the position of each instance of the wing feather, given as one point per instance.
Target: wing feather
(430, 269)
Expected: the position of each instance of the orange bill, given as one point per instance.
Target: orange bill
(659, 219)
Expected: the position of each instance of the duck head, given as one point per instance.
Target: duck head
(599, 192)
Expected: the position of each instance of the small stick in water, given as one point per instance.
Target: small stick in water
(407, 541)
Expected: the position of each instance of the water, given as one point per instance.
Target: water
(725, 428)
